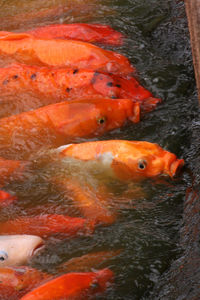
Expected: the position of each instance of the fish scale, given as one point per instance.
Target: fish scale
(25, 87)
(58, 53)
(63, 122)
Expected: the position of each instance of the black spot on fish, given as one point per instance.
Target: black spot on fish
(75, 71)
(95, 77)
(113, 97)
(5, 82)
(109, 83)
(33, 76)
(68, 90)
(15, 76)
(118, 85)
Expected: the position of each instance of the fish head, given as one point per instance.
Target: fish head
(102, 280)
(14, 276)
(96, 116)
(137, 160)
(18, 249)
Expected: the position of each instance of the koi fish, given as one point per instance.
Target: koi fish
(87, 262)
(17, 281)
(65, 121)
(73, 286)
(11, 169)
(6, 199)
(16, 250)
(29, 87)
(24, 48)
(127, 159)
(27, 15)
(92, 205)
(92, 33)
(46, 225)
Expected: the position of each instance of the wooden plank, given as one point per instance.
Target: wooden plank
(193, 15)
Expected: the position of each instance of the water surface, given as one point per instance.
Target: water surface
(157, 43)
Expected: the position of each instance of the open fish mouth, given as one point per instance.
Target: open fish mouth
(149, 104)
(39, 247)
(176, 167)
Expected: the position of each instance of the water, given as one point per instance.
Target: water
(147, 230)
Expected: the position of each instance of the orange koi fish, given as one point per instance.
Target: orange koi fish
(88, 261)
(127, 159)
(30, 87)
(59, 53)
(28, 15)
(6, 199)
(11, 170)
(65, 121)
(92, 205)
(92, 33)
(46, 225)
(17, 281)
(73, 286)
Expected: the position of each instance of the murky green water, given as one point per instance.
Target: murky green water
(147, 230)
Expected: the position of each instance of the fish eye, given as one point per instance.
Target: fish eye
(142, 164)
(3, 255)
(101, 120)
(94, 285)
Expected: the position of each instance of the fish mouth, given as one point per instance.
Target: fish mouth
(176, 167)
(149, 104)
(39, 247)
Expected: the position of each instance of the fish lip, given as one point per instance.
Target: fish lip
(150, 103)
(176, 167)
(39, 247)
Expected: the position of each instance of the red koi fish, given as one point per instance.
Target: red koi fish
(46, 225)
(11, 170)
(29, 87)
(6, 199)
(17, 281)
(55, 124)
(87, 262)
(92, 205)
(73, 286)
(59, 53)
(92, 33)
(127, 159)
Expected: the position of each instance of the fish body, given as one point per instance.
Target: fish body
(65, 121)
(91, 203)
(24, 87)
(73, 286)
(11, 170)
(92, 33)
(59, 53)
(127, 159)
(6, 199)
(17, 281)
(47, 225)
(16, 250)
(87, 262)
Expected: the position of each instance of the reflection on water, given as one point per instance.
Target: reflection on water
(147, 229)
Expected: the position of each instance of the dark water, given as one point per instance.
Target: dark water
(157, 44)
